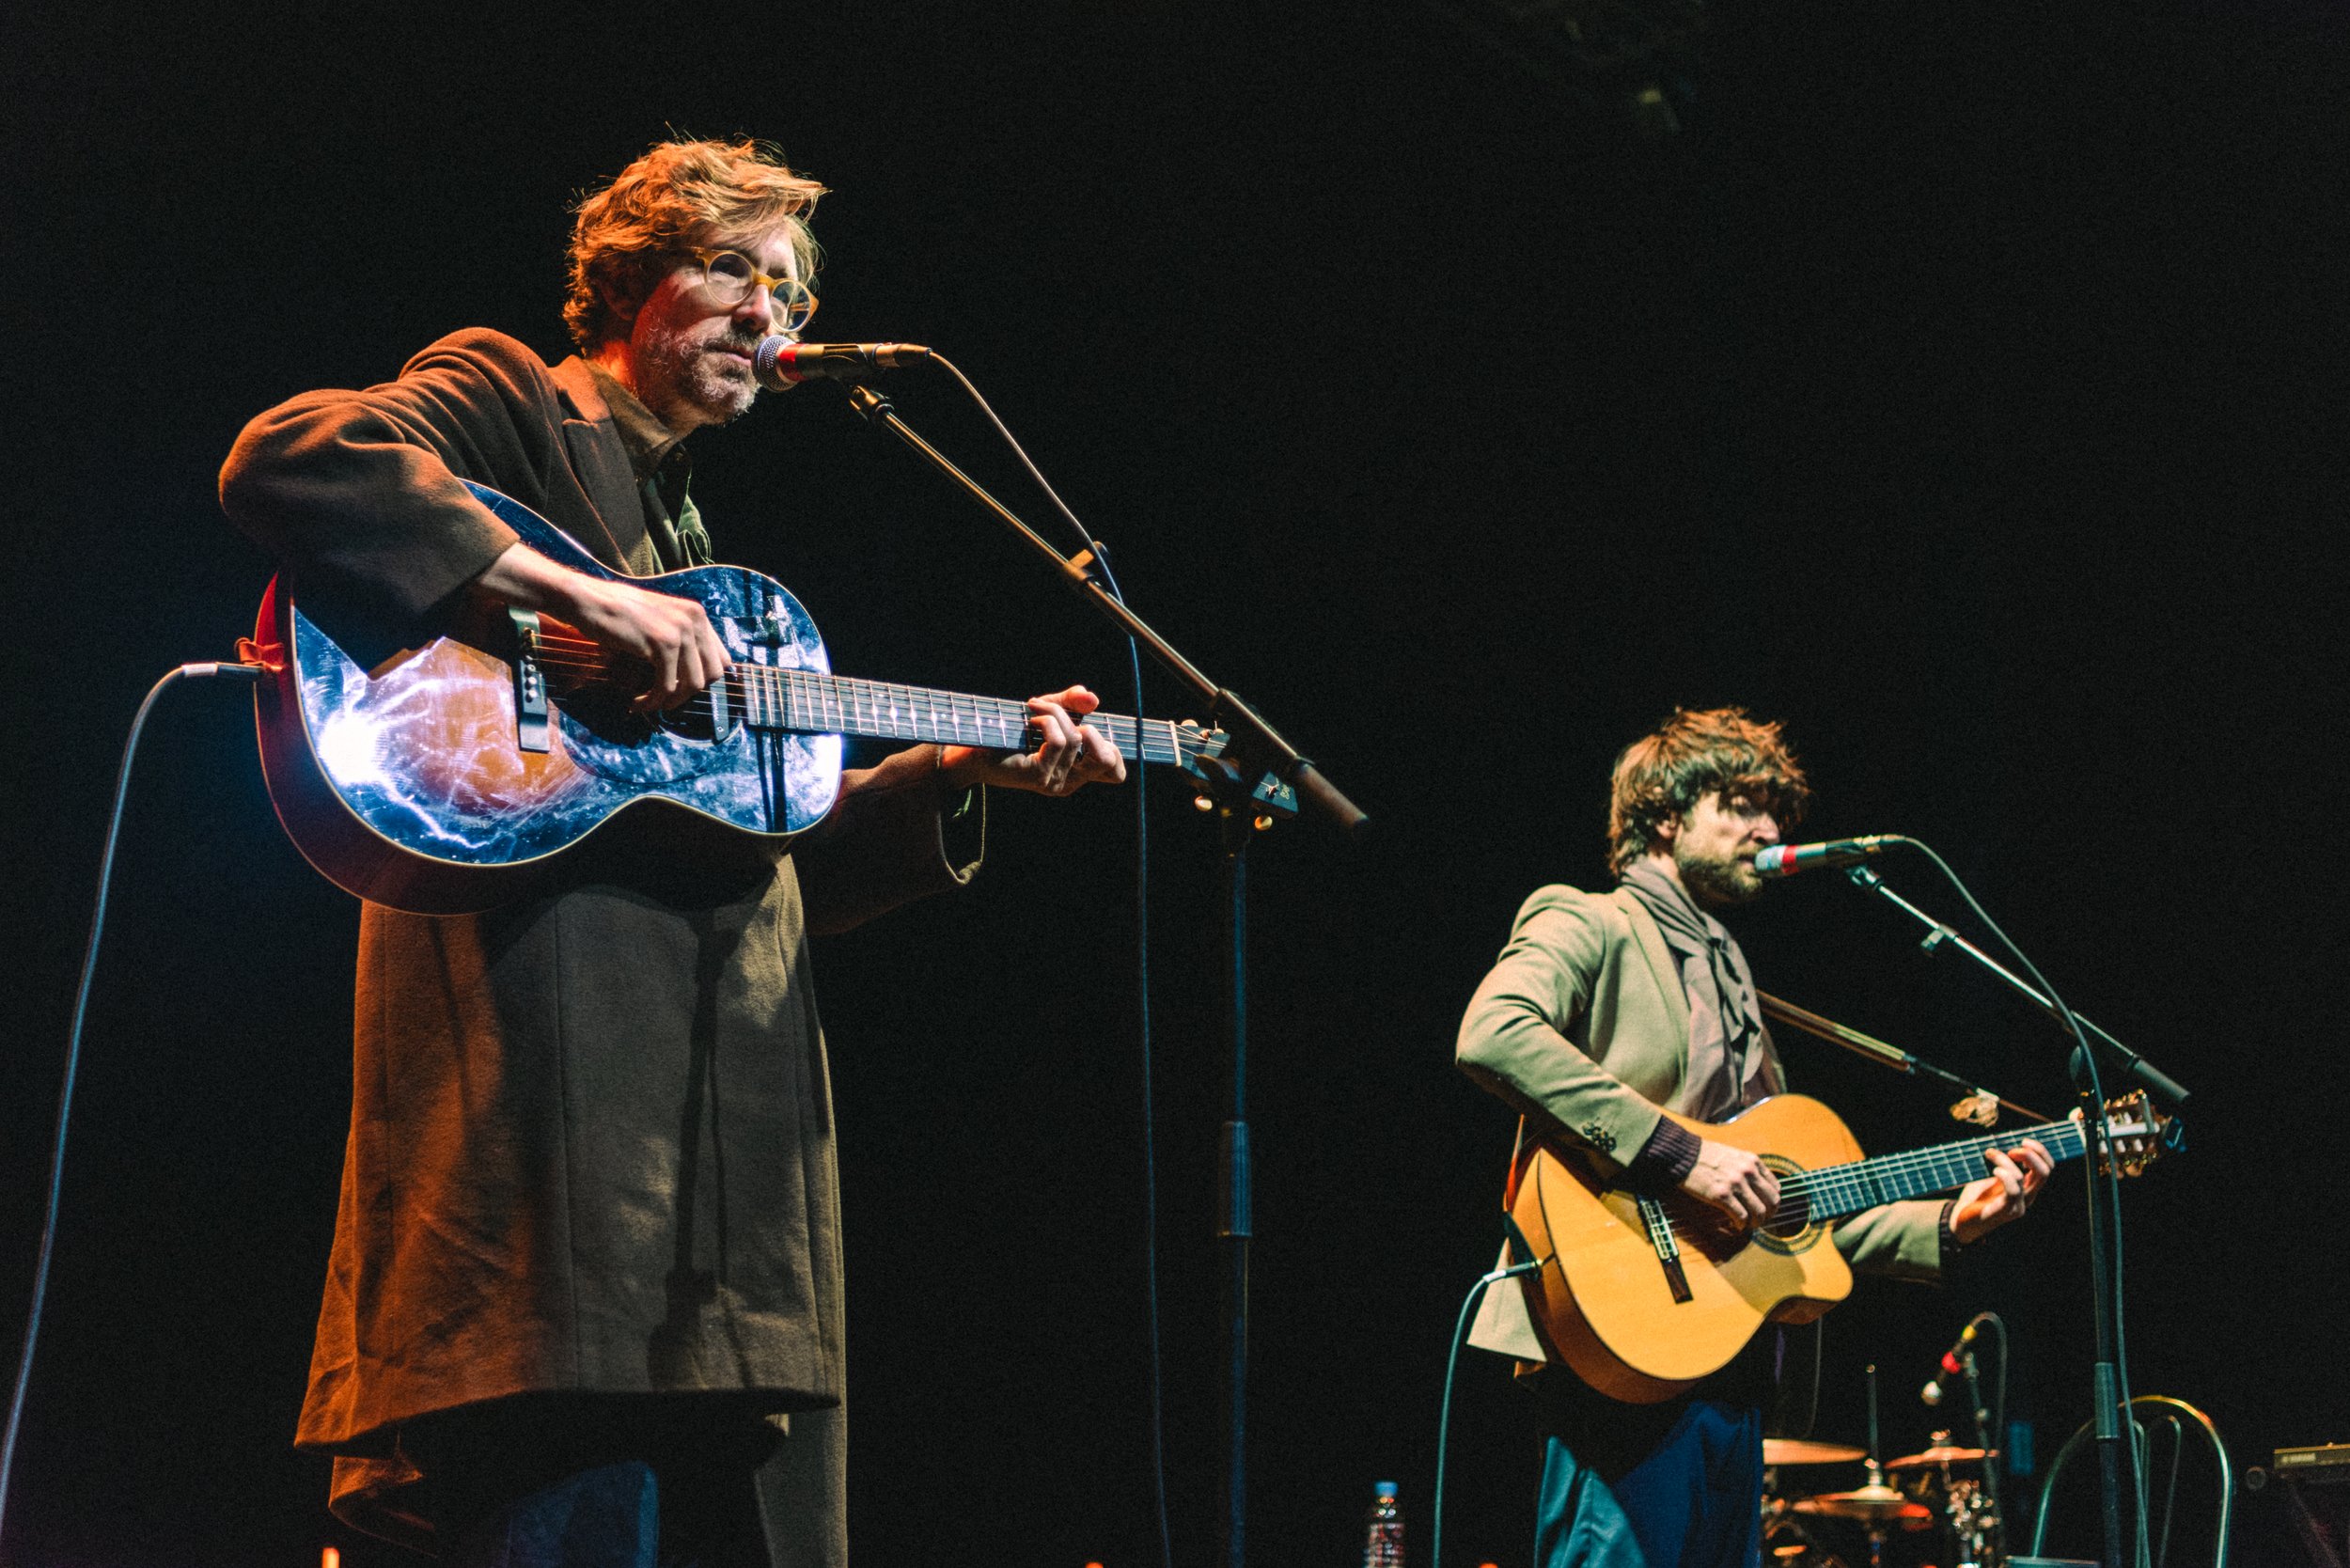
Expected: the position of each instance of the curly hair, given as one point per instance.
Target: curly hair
(679, 193)
(1693, 755)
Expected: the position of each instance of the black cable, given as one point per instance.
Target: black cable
(74, 1060)
(1034, 472)
(2110, 1190)
(1100, 554)
(1444, 1417)
(1997, 1436)
(1150, 1143)
(1819, 1359)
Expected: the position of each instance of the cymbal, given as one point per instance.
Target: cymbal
(1799, 1451)
(1942, 1454)
(1875, 1505)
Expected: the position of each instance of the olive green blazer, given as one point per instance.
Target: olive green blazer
(1583, 1026)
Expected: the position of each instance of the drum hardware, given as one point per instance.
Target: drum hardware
(1879, 1508)
(1940, 1457)
(1802, 1450)
(1876, 1505)
(1966, 1501)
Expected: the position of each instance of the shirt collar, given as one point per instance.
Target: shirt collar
(647, 440)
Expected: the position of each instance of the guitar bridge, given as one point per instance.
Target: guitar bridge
(530, 683)
(1660, 1236)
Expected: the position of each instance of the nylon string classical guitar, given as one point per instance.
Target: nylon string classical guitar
(1644, 1298)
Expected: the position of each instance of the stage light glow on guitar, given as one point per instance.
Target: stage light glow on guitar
(422, 781)
(349, 747)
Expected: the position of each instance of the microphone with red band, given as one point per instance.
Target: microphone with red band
(1787, 859)
(1950, 1363)
(1933, 1393)
(782, 362)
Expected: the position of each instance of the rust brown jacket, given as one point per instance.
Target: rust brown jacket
(591, 1139)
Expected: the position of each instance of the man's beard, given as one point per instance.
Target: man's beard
(716, 387)
(1717, 879)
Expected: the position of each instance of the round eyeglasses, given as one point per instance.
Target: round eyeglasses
(730, 276)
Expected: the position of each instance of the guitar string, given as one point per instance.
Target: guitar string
(801, 691)
(851, 690)
(1854, 1179)
(1847, 1180)
(1960, 1155)
(907, 716)
(852, 698)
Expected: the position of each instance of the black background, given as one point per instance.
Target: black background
(1963, 388)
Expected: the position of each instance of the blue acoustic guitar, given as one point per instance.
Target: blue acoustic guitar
(448, 779)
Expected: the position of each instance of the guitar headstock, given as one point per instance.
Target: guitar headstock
(2135, 1134)
(1202, 755)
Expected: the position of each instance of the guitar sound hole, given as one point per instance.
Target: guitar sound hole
(1795, 1218)
(690, 722)
(600, 704)
(1787, 1233)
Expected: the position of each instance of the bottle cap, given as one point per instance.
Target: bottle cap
(1384, 1489)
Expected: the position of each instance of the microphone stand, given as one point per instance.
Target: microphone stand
(2134, 1068)
(1988, 1438)
(1258, 777)
(2104, 1223)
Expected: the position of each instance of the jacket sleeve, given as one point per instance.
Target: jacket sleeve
(895, 834)
(1903, 1238)
(1514, 1039)
(357, 493)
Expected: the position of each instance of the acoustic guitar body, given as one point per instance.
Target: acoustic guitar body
(451, 777)
(1607, 1302)
(411, 785)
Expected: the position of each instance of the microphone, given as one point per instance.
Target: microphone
(1787, 859)
(1933, 1393)
(781, 362)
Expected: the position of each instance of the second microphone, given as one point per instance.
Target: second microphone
(782, 362)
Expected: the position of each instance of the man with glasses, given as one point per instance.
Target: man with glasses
(585, 1301)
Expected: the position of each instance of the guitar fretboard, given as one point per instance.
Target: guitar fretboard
(814, 703)
(1833, 1191)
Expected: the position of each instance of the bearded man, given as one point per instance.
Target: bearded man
(1605, 1011)
(585, 1306)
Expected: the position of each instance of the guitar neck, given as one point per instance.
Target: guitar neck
(810, 702)
(1833, 1191)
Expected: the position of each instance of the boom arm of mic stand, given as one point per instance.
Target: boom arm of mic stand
(2134, 1067)
(1251, 736)
(1878, 1051)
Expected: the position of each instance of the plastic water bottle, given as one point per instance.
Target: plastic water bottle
(1383, 1546)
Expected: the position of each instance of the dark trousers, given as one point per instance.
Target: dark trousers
(1677, 1484)
(1691, 1499)
(626, 1483)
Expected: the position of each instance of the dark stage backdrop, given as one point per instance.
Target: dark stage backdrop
(1962, 386)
